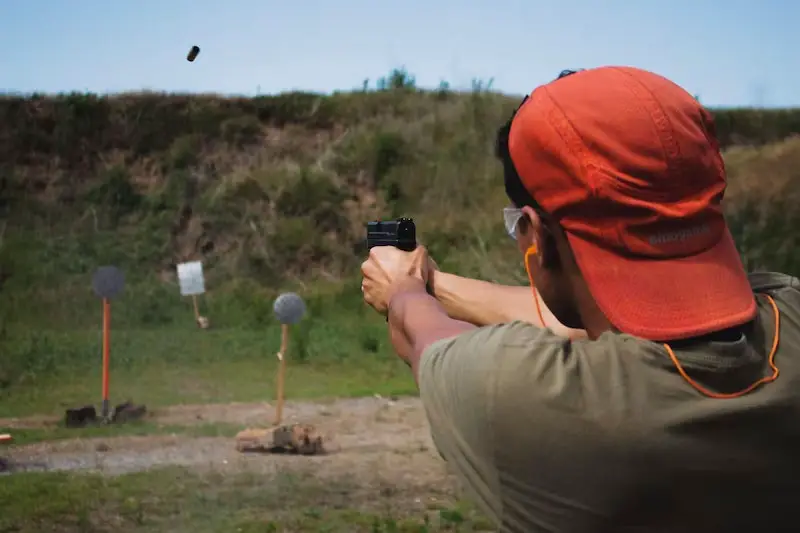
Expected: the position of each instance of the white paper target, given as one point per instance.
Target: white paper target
(190, 278)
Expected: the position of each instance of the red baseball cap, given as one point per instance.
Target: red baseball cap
(628, 163)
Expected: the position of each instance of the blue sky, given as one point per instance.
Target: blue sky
(730, 53)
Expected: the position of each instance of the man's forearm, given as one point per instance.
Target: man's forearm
(484, 303)
(417, 320)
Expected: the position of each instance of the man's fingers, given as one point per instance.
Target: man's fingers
(373, 260)
(370, 298)
(432, 263)
(376, 251)
(420, 258)
(369, 268)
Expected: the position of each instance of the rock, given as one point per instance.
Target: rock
(127, 412)
(302, 439)
(81, 417)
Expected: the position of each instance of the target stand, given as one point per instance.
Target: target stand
(192, 283)
(304, 439)
(108, 282)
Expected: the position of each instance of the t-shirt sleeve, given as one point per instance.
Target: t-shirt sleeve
(457, 387)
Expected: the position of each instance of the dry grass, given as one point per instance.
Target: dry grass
(276, 190)
(763, 195)
(764, 174)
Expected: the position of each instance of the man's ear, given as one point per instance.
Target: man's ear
(533, 225)
(542, 237)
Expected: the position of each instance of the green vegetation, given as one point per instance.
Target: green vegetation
(177, 500)
(180, 364)
(272, 194)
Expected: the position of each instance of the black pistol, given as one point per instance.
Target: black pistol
(400, 233)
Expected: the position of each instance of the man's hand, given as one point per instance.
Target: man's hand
(416, 319)
(387, 270)
(430, 280)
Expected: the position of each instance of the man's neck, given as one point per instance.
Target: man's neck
(724, 335)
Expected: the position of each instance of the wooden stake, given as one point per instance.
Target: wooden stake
(196, 307)
(281, 372)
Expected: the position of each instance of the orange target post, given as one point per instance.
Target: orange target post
(107, 283)
(106, 352)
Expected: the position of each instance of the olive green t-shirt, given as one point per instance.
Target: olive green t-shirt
(559, 435)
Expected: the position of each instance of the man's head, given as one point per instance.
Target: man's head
(618, 178)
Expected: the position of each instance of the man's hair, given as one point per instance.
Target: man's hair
(515, 190)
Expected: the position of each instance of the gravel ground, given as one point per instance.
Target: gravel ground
(375, 440)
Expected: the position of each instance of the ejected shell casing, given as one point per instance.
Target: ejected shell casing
(193, 53)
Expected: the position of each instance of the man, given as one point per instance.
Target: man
(669, 398)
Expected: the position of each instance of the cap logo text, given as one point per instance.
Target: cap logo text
(682, 235)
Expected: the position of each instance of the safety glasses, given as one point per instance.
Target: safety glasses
(511, 218)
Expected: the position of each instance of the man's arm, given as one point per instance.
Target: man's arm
(484, 303)
(417, 320)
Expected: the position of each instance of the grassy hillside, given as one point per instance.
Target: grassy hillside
(272, 194)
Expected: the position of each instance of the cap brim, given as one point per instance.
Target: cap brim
(668, 299)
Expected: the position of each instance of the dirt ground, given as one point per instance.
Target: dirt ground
(371, 440)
